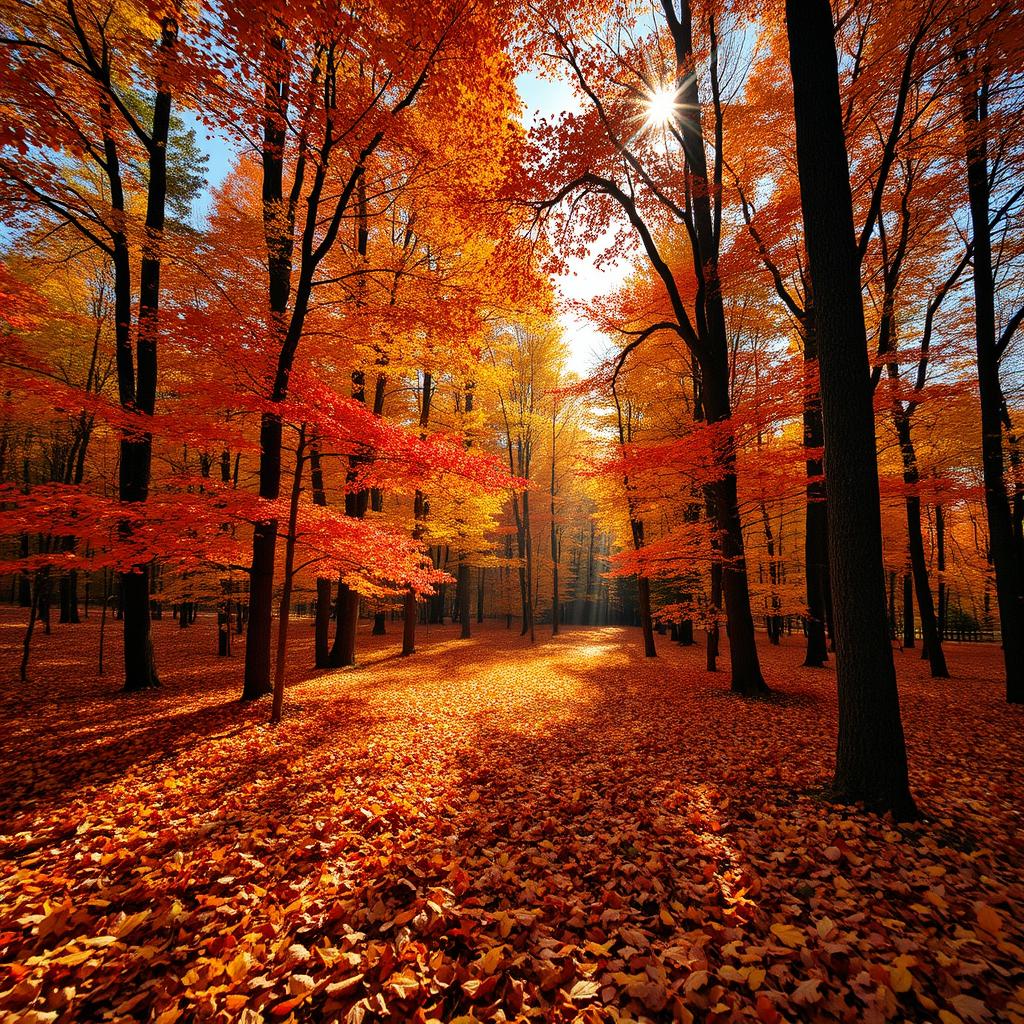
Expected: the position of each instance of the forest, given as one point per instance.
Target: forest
(512, 511)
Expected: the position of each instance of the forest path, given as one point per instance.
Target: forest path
(565, 830)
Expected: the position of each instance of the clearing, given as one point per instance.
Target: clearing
(487, 831)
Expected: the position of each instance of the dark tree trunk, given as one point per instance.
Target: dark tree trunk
(289, 578)
(1008, 570)
(38, 601)
(745, 666)
(925, 605)
(871, 762)
(713, 356)
(138, 389)
(322, 624)
(714, 631)
(409, 605)
(322, 621)
(643, 586)
(816, 513)
(343, 651)
(379, 624)
(464, 594)
(224, 628)
(24, 582)
(409, 623)
(69, 596)
(940, 551)
(686, 632)
(480, 595)
(909, 630)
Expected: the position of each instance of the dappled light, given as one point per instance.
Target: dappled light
(511, 513)
(540, 829)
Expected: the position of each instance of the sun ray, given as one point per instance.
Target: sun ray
(661, 107)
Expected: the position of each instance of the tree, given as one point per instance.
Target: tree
(987, 50)
(871, 764)
(71, 68)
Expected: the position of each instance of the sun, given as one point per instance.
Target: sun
(661, 107)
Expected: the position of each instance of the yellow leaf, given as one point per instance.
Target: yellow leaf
(947, 1017)
(825, 927)
(239, 967)
(667, 918)
(788, 935)
(505, 922)
(900, 979)
(584, 990)
(755, 978)
(490, 960)
(680, 1014)
(129, 924)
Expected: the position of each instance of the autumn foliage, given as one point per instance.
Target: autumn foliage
(671, 352)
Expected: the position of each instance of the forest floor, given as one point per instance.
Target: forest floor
(488, 831)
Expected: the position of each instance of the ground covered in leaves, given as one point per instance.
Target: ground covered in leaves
(490, 832)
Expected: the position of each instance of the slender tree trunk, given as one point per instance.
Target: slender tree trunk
(816, 512)
(892, 606)
(871, 763)
(322, 622)
(555, 610)
(136, 446)
(940, 549)
(38, 597)
(714, 356)
(103, 621)
(714, 631)
(409, 609)
(931, 643)
(289, 577)
(1008, 570)
(643, 586)
(909, 629)
(745, 666)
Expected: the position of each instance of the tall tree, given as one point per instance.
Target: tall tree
(871, 762)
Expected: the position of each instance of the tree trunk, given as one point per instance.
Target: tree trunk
(713, 357)
(343, 651)
(322, 623)
(289, 577)
(940, 551)
(871, 763)
(816, 511)
(643, 586)
(464, 595)
(1008, 570)
(925, 605)
(409, 623)
(909, 630)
